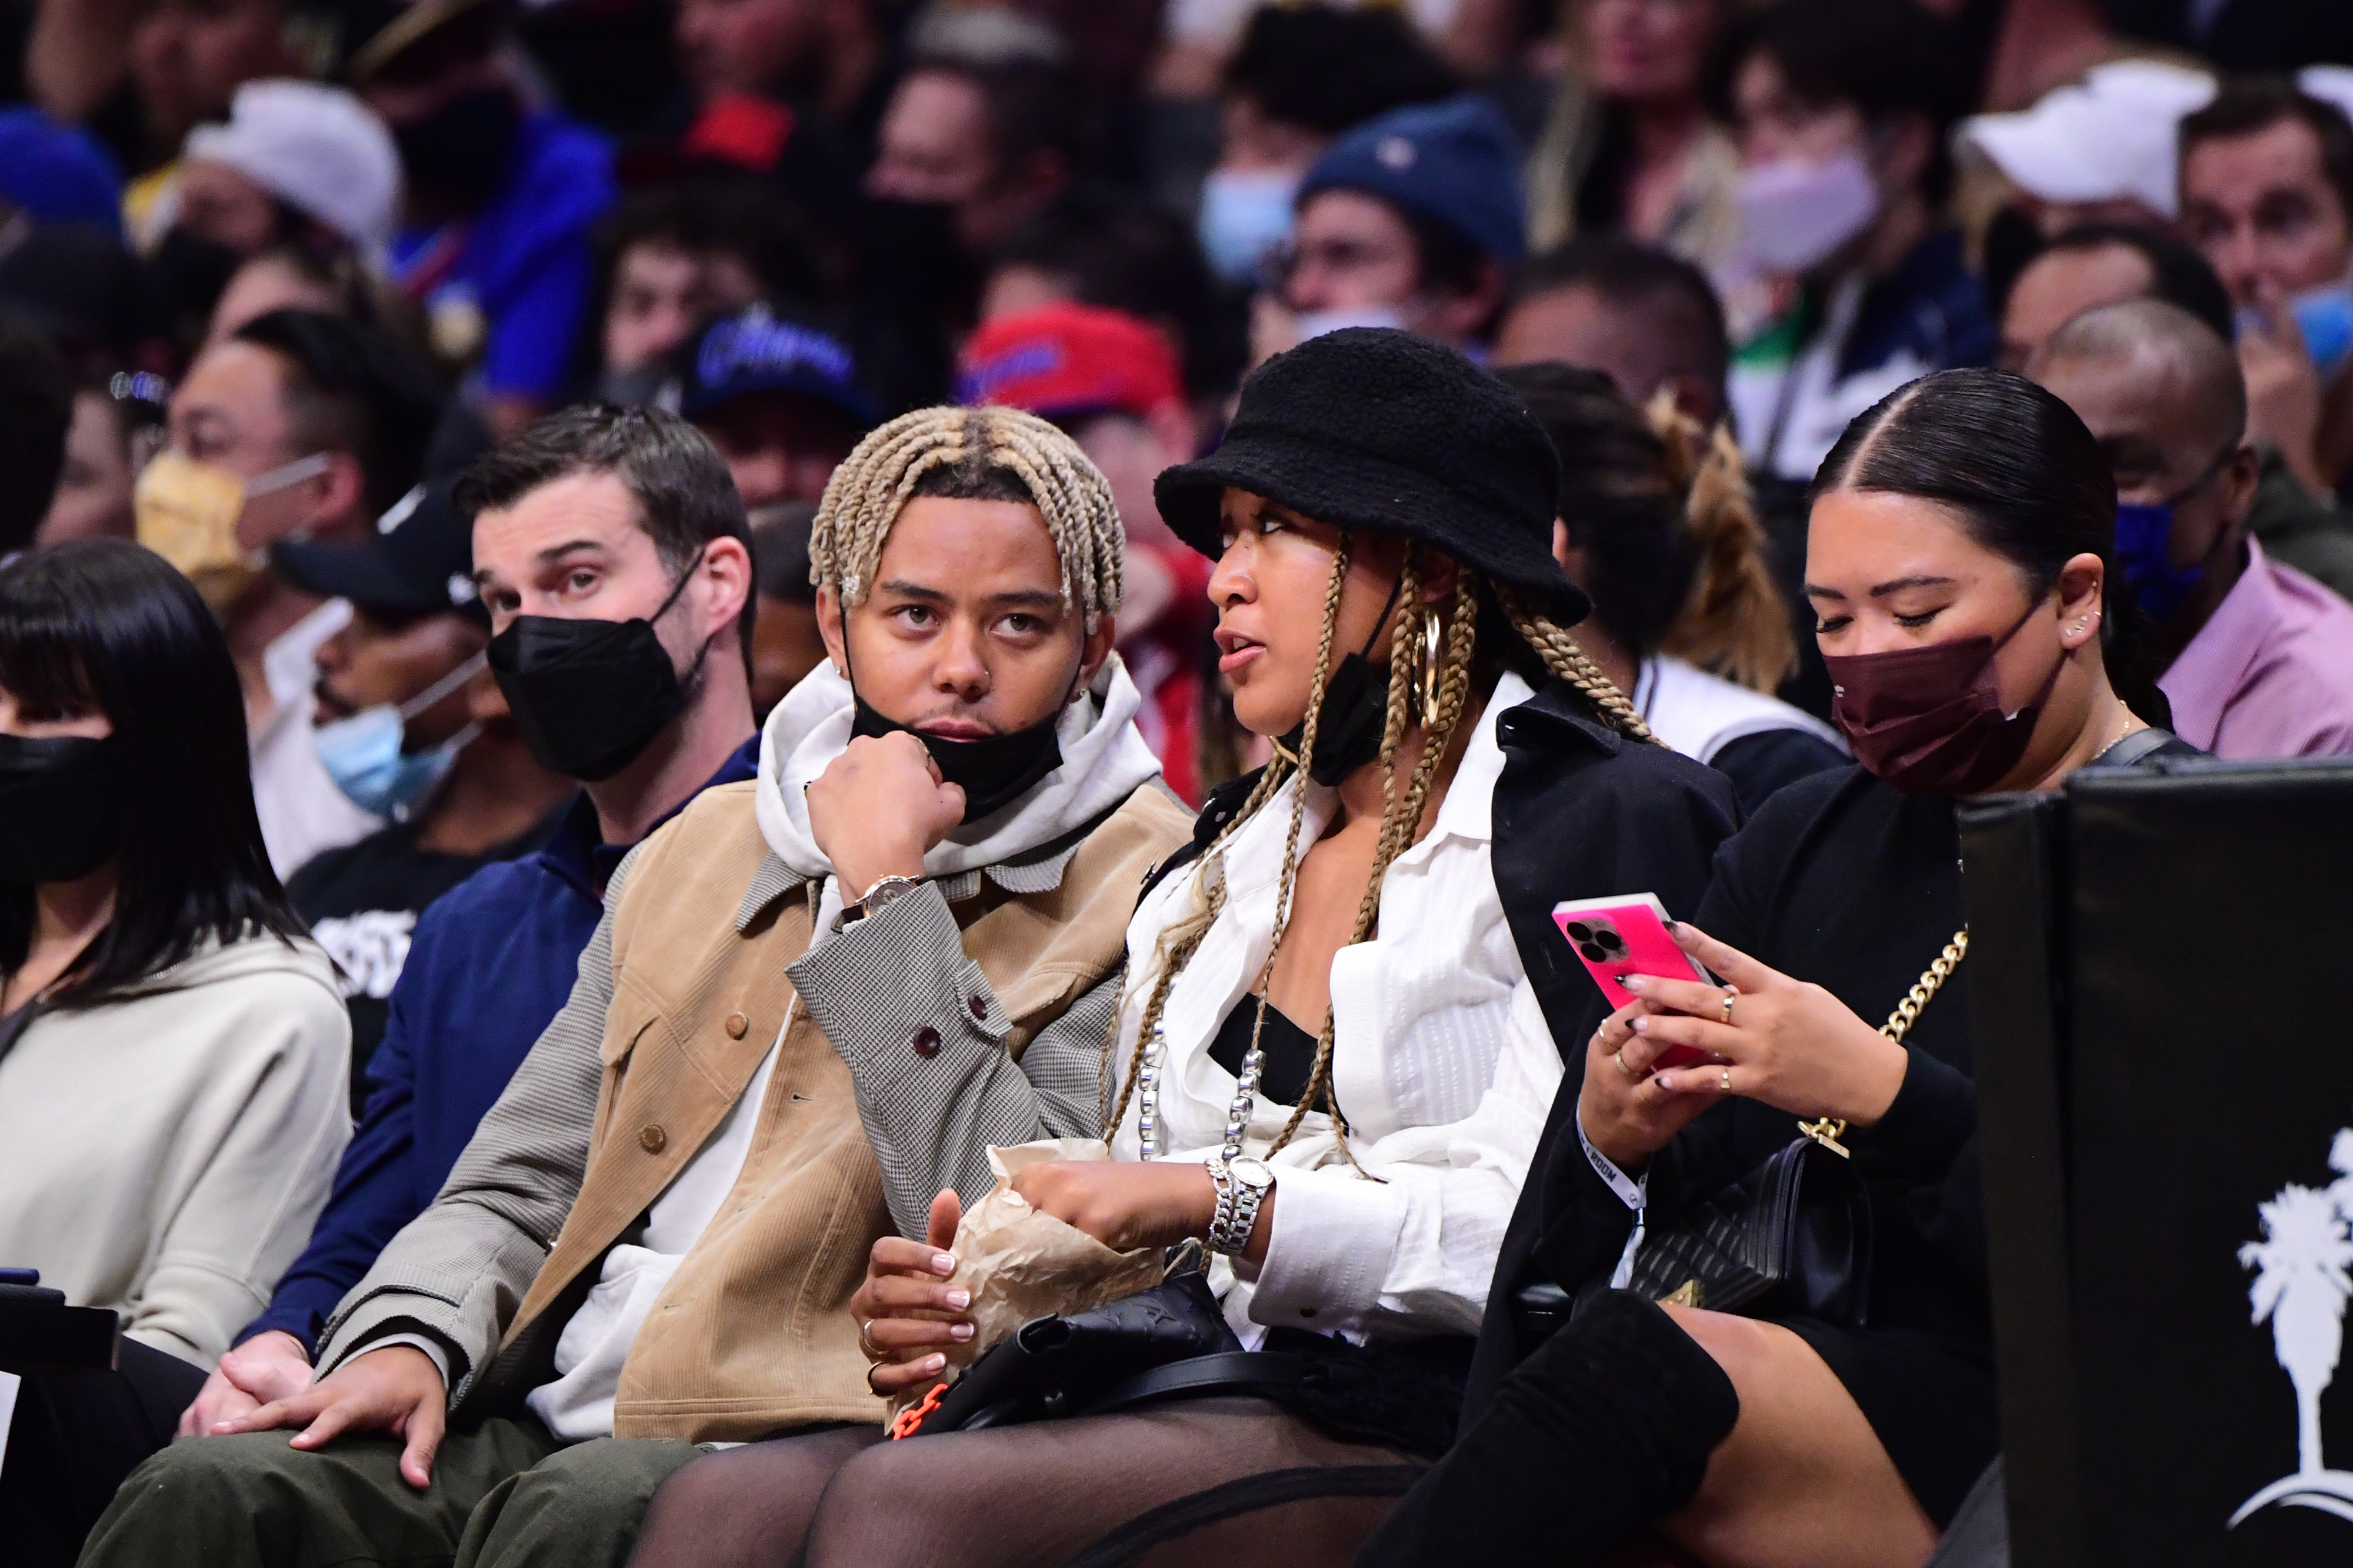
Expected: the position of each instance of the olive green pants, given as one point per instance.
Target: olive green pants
(507, 1496)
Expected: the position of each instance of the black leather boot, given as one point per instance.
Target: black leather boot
(1605, 1429)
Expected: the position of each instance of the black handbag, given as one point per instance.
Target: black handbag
(1171, 1342)
(1059, 1366)
(1791, 1238)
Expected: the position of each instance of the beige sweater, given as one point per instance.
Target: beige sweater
(165, 1153)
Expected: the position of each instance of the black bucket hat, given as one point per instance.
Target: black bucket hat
(1378, 429)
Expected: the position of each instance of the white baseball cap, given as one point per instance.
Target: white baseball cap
(318, 149)
(2108, 138)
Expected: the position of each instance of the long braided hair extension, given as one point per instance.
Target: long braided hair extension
(1402, 810)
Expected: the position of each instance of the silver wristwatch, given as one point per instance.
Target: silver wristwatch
(1242, 1185)
(886, 892)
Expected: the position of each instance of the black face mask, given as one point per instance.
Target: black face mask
(1354, 715)
(60, 808)
(992, 773)
(192, 273)
(459, 151)
(590, 696)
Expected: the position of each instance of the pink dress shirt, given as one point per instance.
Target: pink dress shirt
(2270, 673)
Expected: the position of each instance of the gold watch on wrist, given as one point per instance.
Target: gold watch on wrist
(886, 892)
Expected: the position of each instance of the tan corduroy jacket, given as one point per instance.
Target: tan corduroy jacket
(676, 1007)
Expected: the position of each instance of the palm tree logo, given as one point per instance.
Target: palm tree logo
(2301, 1286)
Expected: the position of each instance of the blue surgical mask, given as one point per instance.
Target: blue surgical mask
(1245, 213)
(2145, 548)
(2324, 316)
(364, 755)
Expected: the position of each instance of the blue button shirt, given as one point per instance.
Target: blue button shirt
(525, 261)
(491, 962)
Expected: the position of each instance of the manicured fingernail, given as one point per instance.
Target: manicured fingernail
(941, 1263)
(959, 1330)
(1640, 1026)
(1633, 983)
(959, 1299)
(1673, 925)
(1666, 1084)
(933, 1363)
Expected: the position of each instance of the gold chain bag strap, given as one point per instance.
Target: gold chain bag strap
(1827, 1131)
(1793, 1236)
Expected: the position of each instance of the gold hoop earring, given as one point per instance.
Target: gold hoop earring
(1432, 639)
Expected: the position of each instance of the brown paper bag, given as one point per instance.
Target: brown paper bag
(1021, 1264)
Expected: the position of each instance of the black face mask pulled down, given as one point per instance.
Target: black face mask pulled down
(60, 808)
(459, 151)
(590, 696)
(1353, 716)
(993, 772)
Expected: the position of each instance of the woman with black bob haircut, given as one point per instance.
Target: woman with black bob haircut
(172, 1051)
(1959, 561)
(1657, 525)
(1338, 1036)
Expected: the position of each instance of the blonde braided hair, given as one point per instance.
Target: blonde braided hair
(1402, 811)
(882, 472)
(1733, 621)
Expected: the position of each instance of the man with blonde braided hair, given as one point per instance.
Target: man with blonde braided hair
(815, 999)
(1346, 1009)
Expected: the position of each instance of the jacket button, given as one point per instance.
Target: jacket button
(926, 1042)
(979, 1007)
(651, 1138)
(735, 1026)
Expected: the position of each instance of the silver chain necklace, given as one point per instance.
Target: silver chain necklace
(1238, 1115)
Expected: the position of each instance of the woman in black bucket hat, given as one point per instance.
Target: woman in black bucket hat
(1346, 1008)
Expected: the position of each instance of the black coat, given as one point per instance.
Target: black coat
(1580, 812)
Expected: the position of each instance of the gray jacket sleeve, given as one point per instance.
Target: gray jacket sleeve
(457, 1272)
(924, 1038)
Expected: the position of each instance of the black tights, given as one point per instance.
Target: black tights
(1238, 1478)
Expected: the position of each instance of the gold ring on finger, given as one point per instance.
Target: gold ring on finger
(1730, 996)
(873, 1352)
(870, 1382)
(1619, 1057)
(1724, 1083)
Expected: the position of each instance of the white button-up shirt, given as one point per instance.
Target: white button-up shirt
(1441, 1058)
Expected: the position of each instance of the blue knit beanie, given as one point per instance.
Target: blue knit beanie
(57, 172)
(1454, 163)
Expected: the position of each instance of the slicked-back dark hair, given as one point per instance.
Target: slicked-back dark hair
(104, 625)
(683, 494)
(353, 389)
(2028, 482)
(2251, 104)
(2178, 274)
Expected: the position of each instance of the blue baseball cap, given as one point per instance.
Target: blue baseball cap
(1455, 163)
(757, 351)
(57, 172)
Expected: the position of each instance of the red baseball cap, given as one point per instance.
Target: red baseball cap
(1063, 359)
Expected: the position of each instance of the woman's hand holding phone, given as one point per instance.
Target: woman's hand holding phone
(1788, 1043)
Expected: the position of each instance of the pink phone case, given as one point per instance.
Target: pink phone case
(1626, 934)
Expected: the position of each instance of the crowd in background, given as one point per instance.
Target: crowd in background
(276, 274)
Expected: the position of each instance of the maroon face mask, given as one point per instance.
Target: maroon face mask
(1928, 720)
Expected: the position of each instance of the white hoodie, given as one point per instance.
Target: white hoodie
(165, 1152)
(1104, 761)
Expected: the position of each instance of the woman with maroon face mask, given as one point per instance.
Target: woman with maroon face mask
(1960, 564)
